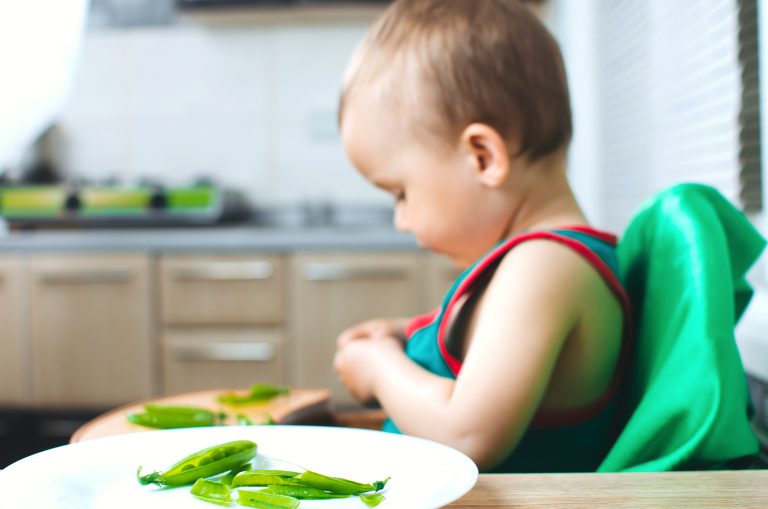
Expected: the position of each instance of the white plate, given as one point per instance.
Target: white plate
(101, 473)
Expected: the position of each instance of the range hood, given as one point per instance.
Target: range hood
(213, 4)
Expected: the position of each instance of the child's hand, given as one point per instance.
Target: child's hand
(394, 327)
(357, 363)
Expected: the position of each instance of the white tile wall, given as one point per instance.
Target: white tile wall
(252, 106)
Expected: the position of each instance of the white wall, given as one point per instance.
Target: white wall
(254, 106)
(37, 55)
(573, 24)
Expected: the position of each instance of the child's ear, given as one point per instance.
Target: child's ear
(486, 151)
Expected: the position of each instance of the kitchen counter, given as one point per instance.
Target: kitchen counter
(231, 239)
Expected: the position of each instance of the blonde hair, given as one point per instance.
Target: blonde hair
(466, 61)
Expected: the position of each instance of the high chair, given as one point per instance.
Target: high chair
(684, 257)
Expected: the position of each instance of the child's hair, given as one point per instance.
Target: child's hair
(465, 61)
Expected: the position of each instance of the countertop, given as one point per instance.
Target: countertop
(230, 239)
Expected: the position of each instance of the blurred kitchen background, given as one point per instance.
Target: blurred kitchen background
(179, 213)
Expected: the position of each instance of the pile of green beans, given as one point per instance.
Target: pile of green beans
(282, 489)
(174, 416)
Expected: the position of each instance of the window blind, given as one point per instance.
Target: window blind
(678, 96)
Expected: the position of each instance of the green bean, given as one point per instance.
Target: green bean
(211, 491)
(302, 492)
(262, 500)
(372, 500)
(206, 463)
(264, 478)
(337, 484)
(230, 477)
(171, 416)
(257, 393)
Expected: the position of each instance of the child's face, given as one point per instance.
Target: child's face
(437, 197)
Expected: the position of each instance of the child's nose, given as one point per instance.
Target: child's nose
(400, 219)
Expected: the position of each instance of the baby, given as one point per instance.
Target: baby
(460, 110)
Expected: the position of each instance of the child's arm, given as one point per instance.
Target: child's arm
(524, 318)
(378, 327)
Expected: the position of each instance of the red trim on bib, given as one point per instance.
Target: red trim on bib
(419, 322)
(608, 238)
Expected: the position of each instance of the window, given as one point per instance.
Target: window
(677, 95)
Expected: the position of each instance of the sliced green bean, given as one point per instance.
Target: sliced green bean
(372, 499)
(302, 492)
(262, 500)
(212, 491)
(206, 463)
(230, 477)
(257, 393)
(244, 420)
(264, 478)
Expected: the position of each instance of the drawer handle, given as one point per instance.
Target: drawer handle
(87, 277)
(226, 352)
(320, 271)
(250, 271)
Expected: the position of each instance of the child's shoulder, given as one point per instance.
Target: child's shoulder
(540, 264)
(549, 273)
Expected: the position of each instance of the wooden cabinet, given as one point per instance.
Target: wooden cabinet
(331, 292)
(14, 384)
(95, 331)
(221, 290)
(223, 321)
(89, 329)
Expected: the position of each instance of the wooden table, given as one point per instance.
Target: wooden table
(678, 490)
(700, 490)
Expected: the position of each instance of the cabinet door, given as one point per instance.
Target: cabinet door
(13, 385)
(213, 358)
(332, 292)
(89, 329)
(225, 290)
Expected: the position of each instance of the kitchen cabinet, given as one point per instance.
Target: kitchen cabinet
(89, 329)
(221, 290)
(13, 383)
(223, 321)
(97, 330)
(210, 358)
(332, 291)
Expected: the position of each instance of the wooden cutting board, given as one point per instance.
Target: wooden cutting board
(296, 407)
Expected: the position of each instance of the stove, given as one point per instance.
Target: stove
(67, 206)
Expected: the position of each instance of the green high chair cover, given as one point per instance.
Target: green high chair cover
(684, 257)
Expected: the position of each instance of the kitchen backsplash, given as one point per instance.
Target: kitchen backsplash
(252, 105)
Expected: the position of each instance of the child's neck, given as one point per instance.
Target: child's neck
(545, 199)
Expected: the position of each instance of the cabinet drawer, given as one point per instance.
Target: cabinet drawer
(13, 369)
(212, 358)
(331, 292)
(229, 290)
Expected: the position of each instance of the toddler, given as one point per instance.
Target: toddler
(460, 110)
